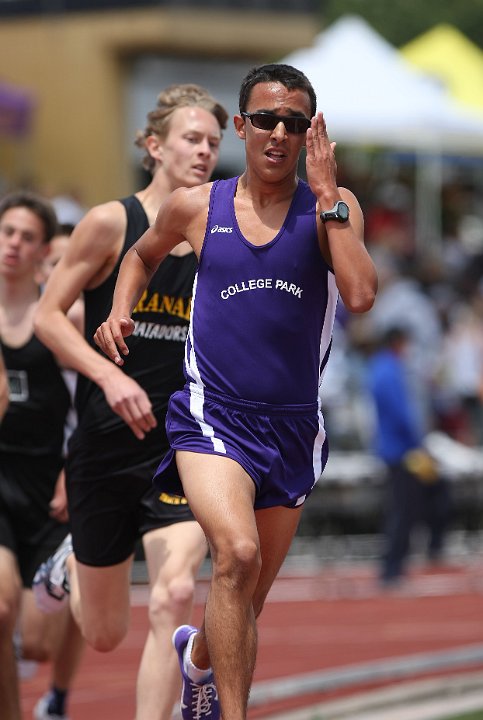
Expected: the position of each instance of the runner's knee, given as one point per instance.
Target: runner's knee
(237, 560)
(105, 634)
(173, 598)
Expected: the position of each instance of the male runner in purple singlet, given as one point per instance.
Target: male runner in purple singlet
(246, 433)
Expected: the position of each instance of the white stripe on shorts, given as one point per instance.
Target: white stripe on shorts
(197, 401)
(318, 445)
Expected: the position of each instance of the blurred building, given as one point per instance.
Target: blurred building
(94, 68)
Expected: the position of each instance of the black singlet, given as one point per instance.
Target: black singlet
(39, 401)
(157, 344)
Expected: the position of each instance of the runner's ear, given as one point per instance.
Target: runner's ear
(240, 127)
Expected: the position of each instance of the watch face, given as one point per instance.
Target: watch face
(340, 213)
(343, 211)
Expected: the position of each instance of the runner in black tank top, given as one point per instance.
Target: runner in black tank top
(103, 448)
(112, 457)
(31, 438)
(32, 496)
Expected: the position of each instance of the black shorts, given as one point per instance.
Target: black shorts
(112, 500)
(26, 487)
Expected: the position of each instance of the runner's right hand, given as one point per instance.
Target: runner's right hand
(110, 335)
(130, 401)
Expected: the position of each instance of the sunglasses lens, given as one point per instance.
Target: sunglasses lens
(297, 125)
(267, 121)
(291, 125)
(264, 121)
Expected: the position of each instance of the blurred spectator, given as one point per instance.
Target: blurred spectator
(462, 370)
(401, 300)
(343, 391)
(413, 489)
(389, 219)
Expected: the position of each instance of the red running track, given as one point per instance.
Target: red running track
(328, 618)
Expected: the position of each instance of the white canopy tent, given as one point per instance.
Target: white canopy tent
(370, 95)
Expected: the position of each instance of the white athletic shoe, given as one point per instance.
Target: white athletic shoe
(51, 582)
(41, 710)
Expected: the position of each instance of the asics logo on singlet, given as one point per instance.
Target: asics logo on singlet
(220, 229)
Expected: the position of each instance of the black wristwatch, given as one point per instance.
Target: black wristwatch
(339, 213)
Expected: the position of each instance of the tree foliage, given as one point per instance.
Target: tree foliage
(400, 21)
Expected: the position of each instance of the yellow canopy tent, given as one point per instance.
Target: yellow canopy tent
(450, 56)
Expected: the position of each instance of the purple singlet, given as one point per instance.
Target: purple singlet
(262, 316)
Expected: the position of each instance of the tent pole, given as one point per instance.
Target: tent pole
(428, 202)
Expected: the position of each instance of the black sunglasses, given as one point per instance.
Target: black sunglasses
(269, 121)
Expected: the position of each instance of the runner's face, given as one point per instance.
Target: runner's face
(57, 247)
(190, 150)
(274, 152)
(22, 245)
